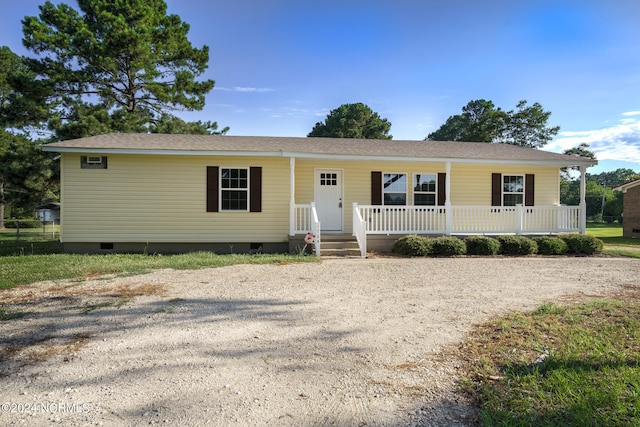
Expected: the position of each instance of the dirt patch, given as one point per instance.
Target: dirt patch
(343, 342)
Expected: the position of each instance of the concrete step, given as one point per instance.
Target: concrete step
(339, 246)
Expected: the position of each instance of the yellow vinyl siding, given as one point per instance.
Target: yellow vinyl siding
(163, 199)
(356, 180)
(471, 183)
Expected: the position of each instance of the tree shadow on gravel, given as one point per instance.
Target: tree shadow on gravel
(67, 324)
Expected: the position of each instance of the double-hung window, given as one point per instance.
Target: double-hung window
(394, 188)
(234, 189)
(512, 190)
(425, 189)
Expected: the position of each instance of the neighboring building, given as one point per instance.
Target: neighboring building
(49, 212)
(172, 193)
(630, 208)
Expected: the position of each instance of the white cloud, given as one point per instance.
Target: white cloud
(252, 89)
(631, 113)
(244, 89)
(620, 142)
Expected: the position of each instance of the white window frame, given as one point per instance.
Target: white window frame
(385, 192)
(222, 189)
(434, 192)
(506, 193)
(93, 162)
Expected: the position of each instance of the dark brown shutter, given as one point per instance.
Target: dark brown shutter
(496, 189)
(255, 192)
(212, 188)
(529, 189)
(376, 188)
(442, 188)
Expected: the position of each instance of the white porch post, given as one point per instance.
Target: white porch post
(292, 196)
(583, 203)
(447, 200)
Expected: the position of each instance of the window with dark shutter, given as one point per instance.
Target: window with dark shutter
(255, 192)
(496, 189)
(442, 188)
(529, 190)
(512, 190)
(376, 188)
(234, 189)
(212, 188)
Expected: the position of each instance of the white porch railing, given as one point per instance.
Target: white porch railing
(471, 219)
(305, 220)
(302, 220)
(360, 230)
(371, 219)
(403, 219)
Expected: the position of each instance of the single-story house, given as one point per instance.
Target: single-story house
(630, 208)
(172, 193)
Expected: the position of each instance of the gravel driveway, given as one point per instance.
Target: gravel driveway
(345, 342)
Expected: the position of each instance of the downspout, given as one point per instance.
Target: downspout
(292, 198)
(447, 200)
(583, 203)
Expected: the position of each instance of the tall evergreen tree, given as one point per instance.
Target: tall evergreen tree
(27, 175)
(126, 59)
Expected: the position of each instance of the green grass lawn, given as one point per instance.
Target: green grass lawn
(32, 256)
(29, 241)
(611, 234)
(558, 366)
(21, 270)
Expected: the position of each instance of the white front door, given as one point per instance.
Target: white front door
(328, 198)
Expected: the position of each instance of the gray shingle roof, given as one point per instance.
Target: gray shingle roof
(313, 147)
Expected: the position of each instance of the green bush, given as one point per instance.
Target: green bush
(24, 223)
(548, 245)
(582, 243)
(412, 245)
(516, 245)
(482, 245)
(448, 246)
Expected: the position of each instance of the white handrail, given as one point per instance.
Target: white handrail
(360, 230)
(316, 228)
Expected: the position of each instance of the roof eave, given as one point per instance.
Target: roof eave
(304, 155)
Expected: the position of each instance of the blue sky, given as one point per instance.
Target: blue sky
(280, 66)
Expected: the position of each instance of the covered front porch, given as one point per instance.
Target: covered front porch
(380, 224)
(397, 221)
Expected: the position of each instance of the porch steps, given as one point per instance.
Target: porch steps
(333, 246)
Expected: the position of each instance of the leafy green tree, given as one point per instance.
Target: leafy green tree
(481, 121)
(172, 124)
(596, 185)
(17, 111)
(353, 121)
(616, 177)
(581, 150)
(109, 58)
(27, 174)
(527, 126)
